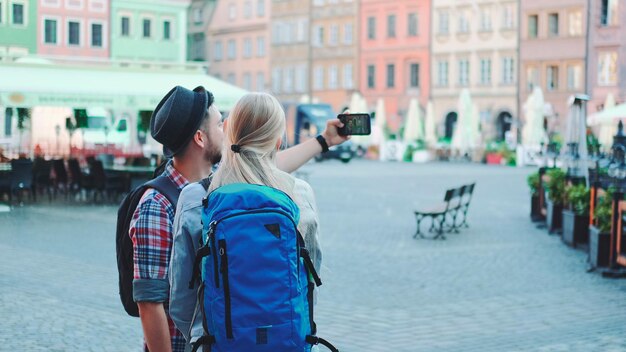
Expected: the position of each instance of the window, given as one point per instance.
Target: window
(333, 77)
(50, 31)
(232, 49)
(247, 81)
(96, 35)
(464, 72)
(347, 34)
(391, 75)
(463, 24)
(444, 25)
(247, 48)
(485, 71)
(231, 78)
(574, 77)
(575, 23)
(607, 68)
(442, 73)
(303, 28)
(553, 24)
(301, 75)
(371, 76)
(508, 16)
(276, 79)
(197, 47)
(485, 19)
(391, 26)
(260, 82)
(147, 26)
(218, 51)
(18, 14)
(247, 9)
(371, 28)
(197, 15)
(412, 24)
(318, 36)
(348, 80)
(73, 33)
(414, 75)
(1, 12)
(552, 78)
(318, 82)
(232, 11)
(608, 13)
(276, 28)
(260, 8)
(508, 70)
(532, 77)
(260, 46)
(334, 35)
(167, 30)
(125, 30)
(533, 26)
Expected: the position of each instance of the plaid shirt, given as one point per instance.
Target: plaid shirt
(151, 233)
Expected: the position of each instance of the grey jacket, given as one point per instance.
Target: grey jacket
(187, 239)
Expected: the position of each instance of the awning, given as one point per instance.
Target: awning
(29, 85)
(608, 115)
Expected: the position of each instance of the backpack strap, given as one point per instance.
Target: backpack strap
(165, 186)
(314, 340)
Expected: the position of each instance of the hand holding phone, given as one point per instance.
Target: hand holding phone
(355, 125)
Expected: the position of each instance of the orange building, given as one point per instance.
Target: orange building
(395, 58)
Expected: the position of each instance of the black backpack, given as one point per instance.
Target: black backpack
(123, 243)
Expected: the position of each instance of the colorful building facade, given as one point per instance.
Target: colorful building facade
(606, 53)
(395, 58)
(290, 50)
(474, 47)
(149, 30)
(553, 54)
(73, 29)
(238, 40)
(18, 27)
(199, 17)
(335, 56)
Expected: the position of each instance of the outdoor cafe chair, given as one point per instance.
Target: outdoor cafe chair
(61, 180)
(42, 182)
(22, 177)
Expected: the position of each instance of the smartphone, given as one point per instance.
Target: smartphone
(355, 124)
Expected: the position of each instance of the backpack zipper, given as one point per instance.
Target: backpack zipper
(214, 250)
(224, 270)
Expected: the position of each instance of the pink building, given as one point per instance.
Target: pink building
(73, 28)
(395, 58)
(238, 43)
(607, 53)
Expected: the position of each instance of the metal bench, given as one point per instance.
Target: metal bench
(446, 215)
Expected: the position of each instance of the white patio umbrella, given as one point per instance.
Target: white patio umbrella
(430, 135)
(358, 105)
(474, 127)
(413, 129)
(607, 129)
(533, 132)
(380, 121)
(461, 138)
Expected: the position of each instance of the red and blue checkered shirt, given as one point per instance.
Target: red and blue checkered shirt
(151, 232)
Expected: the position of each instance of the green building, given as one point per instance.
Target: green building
(18, 27)
(149, 30)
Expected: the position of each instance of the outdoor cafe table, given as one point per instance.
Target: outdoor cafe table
(5, 182)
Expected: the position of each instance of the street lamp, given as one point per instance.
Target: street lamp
(617, 172)
(57, 131)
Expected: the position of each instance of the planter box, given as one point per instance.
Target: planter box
(535, 210)
(421, 156)
(494, 159)
(599, 247)
(575, 229)
(555, 217)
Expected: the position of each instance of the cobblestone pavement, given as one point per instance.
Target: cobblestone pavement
(501, 285)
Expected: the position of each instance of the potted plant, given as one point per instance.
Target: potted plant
(576, 216)
(535, 207)
(600, 232)
(556, 198)
(493, 154)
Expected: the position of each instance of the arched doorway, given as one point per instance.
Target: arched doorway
(503, 124)
(450, 124)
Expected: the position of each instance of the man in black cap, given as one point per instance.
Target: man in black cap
(189, 126)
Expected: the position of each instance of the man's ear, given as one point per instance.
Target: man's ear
(199, 139)
(279, 143)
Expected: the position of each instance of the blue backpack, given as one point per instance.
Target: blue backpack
(256, 291)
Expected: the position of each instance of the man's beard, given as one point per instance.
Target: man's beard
(213, 155)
